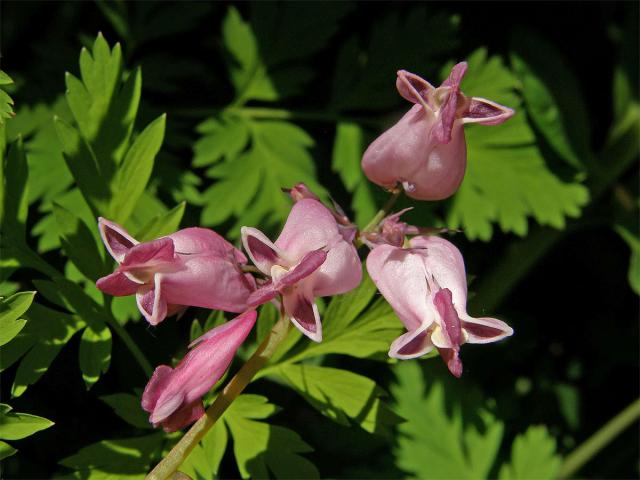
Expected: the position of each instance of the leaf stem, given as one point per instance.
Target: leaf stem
(581, 455)
(395, 194)
(236, 385)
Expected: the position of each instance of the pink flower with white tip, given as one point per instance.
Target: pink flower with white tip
(309, 259)
(427, 288)
(173, 396)
(191, 267)
(426, 151)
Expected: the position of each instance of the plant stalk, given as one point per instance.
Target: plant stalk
(236, 385)
(588, 449)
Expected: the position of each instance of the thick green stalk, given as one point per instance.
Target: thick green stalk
(587, 450)
(170, 464)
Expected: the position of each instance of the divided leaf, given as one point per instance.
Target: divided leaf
(15, 426)
(340, 395)
(261, 448)
(439, 439)
(507, 179)
(533, 455)
(11, 309)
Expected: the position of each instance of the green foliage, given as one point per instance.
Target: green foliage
(11, 309)
(260, 447)
(128, 459)
(507, 179)
(533, 456)
(127, 407)
(110, 170)
(634, 263)
(204, 460)
(6, 103)
(342, 396)
(441, 439)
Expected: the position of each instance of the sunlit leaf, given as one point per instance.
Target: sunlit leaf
(261, 448)
(533, 455)
(95, 353)
(440, 439)
(507, 180)
(14, 426)
(11, 309)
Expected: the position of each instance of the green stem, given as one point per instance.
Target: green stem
(395, 194)
(581, 455)
(131, 345)
(236, 385)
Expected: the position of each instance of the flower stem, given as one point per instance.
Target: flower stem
(395, 194)
(236, 385)
(581, 455)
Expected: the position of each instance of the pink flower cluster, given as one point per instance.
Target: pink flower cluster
(315, 255)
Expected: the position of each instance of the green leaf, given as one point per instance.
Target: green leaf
(634, 263)
(248, 72)
(13, 193)
(440, 439)
(84, 167)
(278, 157)
(340, 395)
(222, 138)
(507, 179)
(14, 426)
(162, 225)
(136, 168)
(533, 456)
(552, 96)
(11, 309)
(348, 148)
(127, 458)
(79, 244)
(95, 353)
(127, 407)
(6, 450)
(46, 333)
(6, 103)
(351, 330)
(260, 447)
(204, 460)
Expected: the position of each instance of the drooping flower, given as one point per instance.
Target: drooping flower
(426, 151)
(309, 259)
(427, 288)
(173, 396)
(191, 267)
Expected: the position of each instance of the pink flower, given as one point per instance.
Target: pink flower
(192, 267)
(173, 396)
(309, 259)
(426, 150)
(427, 288)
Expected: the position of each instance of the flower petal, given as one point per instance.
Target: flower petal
(149, 254)
(400, 276)
(310, 226)
(262, 295)
(156, 385)
(117, 284)
(304, 315)
(262, 252)
(115, 238)
(455, 77)
(185, 415)
(309, 264)
(340, 272)
(196, 241)
(151, 302)
(208, 282)
(412, 344)
(414, 88)
(247, 318)
(486, 112)
(485, 329)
